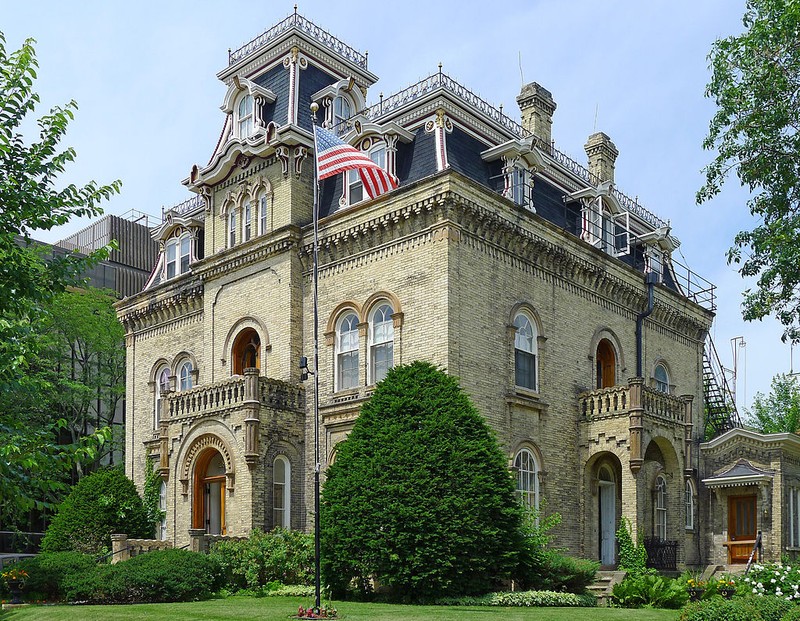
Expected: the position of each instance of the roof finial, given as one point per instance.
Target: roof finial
(440, 67)
(295, 8)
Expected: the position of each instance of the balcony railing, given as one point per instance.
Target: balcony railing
(616, 402)
(661, 554)
(229, 394)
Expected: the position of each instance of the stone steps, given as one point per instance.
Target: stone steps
(603, 585)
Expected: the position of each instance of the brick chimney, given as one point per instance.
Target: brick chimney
(602, 155)
(537, 106)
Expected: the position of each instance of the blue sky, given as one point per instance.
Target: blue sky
(144, 76)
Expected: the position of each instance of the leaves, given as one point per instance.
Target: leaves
(779, 411)
(755, 82)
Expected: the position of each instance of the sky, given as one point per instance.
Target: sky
(144, 77)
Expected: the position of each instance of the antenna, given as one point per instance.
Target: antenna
(521, 77)
(596, 110)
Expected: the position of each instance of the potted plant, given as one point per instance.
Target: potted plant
(695, 588)
(15, 579)
(726, 587)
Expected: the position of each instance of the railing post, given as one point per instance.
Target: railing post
(197, 539)
(119, 548)
(252, 421)
(635, 428)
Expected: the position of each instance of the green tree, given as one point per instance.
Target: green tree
(779, 411)
(755, 82)
(31, 464)
(419, 497)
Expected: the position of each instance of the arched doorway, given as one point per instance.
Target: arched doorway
(607, 514)
(246, 352)
(208, 505)
(606, 363)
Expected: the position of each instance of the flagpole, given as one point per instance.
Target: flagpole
(315, 281)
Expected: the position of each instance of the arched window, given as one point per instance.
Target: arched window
(281, 492)
(527, 479)
(606, 364)
(178, 252)
(347, 352)
(381, 343)
(661, 508)
(525, 352)
(232, 228)
(185, 375)
(690, 508)
(162, 506)
(162, 385)
(248, 218)
(245, 116)
(263, 213)
(342, 110)
(661, 377)
(246, 352)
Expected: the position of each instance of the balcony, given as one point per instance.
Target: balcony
(618, 401)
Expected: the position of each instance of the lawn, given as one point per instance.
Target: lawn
(280, 608)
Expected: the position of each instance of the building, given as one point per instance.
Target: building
(551, 294)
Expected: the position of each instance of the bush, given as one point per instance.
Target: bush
(48, 573)
(283, 556)
(102, 503)
(752, 608)
(158, 576)
(774, 579)
(632, 555)
(792, 615)
(521, 599)
(649, 589)
(556, 572)
(420, 497)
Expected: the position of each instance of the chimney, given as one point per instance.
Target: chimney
(537, 106)
(602, 155)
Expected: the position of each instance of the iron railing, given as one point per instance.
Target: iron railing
(661, 554)
(191, 204)
(756, 546)
(303, 25)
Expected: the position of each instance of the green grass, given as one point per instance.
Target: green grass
(280, 608)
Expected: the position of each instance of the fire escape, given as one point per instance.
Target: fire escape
(720, 406)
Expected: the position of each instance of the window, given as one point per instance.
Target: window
(245, 116)
(525, 350)
(347, 352)
(527, 479)
(232, 229)
(661, 508)
(281, 492)
(185, 375)
(262, 212)
(355, 187)
(162, 386)
(342, 110)
(381, 343)
(246, 352)
(661, 378)
(521, 187)
(794, 517)
(247, 220)
(178, 255)
(689, 500)
(604, 230)
(162, 506)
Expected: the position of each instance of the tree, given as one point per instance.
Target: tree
(31, 465)
(755, 82)
(779, 411)
(420, 496)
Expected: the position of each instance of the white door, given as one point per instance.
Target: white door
(608, 518)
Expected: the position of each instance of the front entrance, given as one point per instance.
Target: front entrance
(607, 511)
(208, 507)
(741, 527)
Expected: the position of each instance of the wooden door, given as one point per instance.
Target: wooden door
(741, 527)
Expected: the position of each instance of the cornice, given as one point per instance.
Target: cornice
(169, 301)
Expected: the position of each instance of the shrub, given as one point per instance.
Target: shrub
(47, 573)
(283, 556)
(158, 576)
(102, 503)
(521, 599)
(792, 615)
(556, 572)
(632, 555)
(774, 579)
(752, 608)
(420, 497)
(647, 588)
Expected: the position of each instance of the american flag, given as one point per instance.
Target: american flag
(335, 156)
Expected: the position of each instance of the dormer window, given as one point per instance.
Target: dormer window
(342, 110)
(178, 252)
(604, 230)
(521, 187)
(245, 111)
(355, 187)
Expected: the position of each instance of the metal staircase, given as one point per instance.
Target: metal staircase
(720, 406)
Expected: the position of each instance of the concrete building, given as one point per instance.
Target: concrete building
(551, 294)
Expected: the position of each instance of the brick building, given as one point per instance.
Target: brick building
(551, 294)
